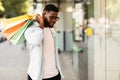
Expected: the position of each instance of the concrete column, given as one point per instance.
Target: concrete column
(60, 32)
(103, 8)
(99, 9)
(67, 23)
(96, 45)
(68, 30)
(98, 64)
(64, 26)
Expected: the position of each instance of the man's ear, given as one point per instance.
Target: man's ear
(44, 14)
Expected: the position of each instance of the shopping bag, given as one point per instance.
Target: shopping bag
(8, 23)
(18, 37)
(14, 28)
(8, 33)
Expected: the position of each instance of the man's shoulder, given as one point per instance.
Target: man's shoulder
(33, 29)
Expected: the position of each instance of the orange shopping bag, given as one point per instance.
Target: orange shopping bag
(8, 23)
(8, 33)
(18, 37)
(12, 25)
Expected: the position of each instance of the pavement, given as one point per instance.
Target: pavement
(14, 62)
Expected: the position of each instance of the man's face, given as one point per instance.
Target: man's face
(50, 18)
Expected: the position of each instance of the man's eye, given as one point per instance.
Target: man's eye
(56, 18)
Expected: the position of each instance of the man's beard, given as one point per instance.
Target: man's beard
(46, 23)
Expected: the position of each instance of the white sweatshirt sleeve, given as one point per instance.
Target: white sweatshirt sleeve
(34, 35)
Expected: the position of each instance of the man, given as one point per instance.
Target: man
(44, 61)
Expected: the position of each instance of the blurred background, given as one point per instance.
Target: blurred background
(88, 39)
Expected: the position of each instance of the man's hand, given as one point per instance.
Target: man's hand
(40, 21)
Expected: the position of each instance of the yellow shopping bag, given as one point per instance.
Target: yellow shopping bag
(8, 33)
(13, 27)
(8, 23)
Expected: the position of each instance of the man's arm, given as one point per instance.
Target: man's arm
(40, 20)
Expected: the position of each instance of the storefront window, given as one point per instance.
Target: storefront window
(113, 40)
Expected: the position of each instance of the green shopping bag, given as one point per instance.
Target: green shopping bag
(18, 37)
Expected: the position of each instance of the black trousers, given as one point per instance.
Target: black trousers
(57, 77)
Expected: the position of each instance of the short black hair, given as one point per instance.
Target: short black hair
(51, 7)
